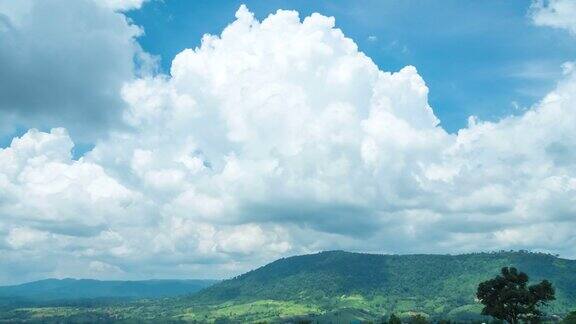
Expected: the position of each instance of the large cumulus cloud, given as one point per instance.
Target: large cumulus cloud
(280, 137)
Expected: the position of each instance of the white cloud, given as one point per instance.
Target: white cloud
(122, 5)
(41, 183)
(99, 267)
(280, 137)
(19, 237)
(555, 13)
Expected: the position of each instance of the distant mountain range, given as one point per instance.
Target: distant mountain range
(59, 290)
(327, 287)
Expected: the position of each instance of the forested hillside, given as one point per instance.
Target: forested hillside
(327, 287)
(433, 284)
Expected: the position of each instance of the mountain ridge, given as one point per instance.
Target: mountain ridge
(325, 287)
(434, 284)
(51, 289)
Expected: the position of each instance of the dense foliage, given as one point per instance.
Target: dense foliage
(429, 283)
(508, 296)
(570, 318)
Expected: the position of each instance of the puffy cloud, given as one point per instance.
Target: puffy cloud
(122, 5)
(63, 64)
(99, 267)
(280, 137)
(20, 237)
(41, 183)
(555, 13)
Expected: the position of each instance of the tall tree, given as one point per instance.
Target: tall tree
(508, 296)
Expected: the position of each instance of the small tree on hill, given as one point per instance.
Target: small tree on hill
(394, 319)
(507, 297)
(570, 318)
(418, 319)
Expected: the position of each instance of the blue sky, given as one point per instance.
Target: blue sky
(481, 58)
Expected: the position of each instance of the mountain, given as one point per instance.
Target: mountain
(436, 285)
(51, 290)
(327, 287)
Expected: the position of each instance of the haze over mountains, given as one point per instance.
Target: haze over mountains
(52, 290)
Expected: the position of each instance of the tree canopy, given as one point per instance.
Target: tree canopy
(394, 319)
(570, 318)
(508, 296)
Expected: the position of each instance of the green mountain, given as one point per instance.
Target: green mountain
(435, 285)
(328, 287)
(51, 290)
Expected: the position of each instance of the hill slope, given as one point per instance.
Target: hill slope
(75, 289)
(327, 287)
(433, 284)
